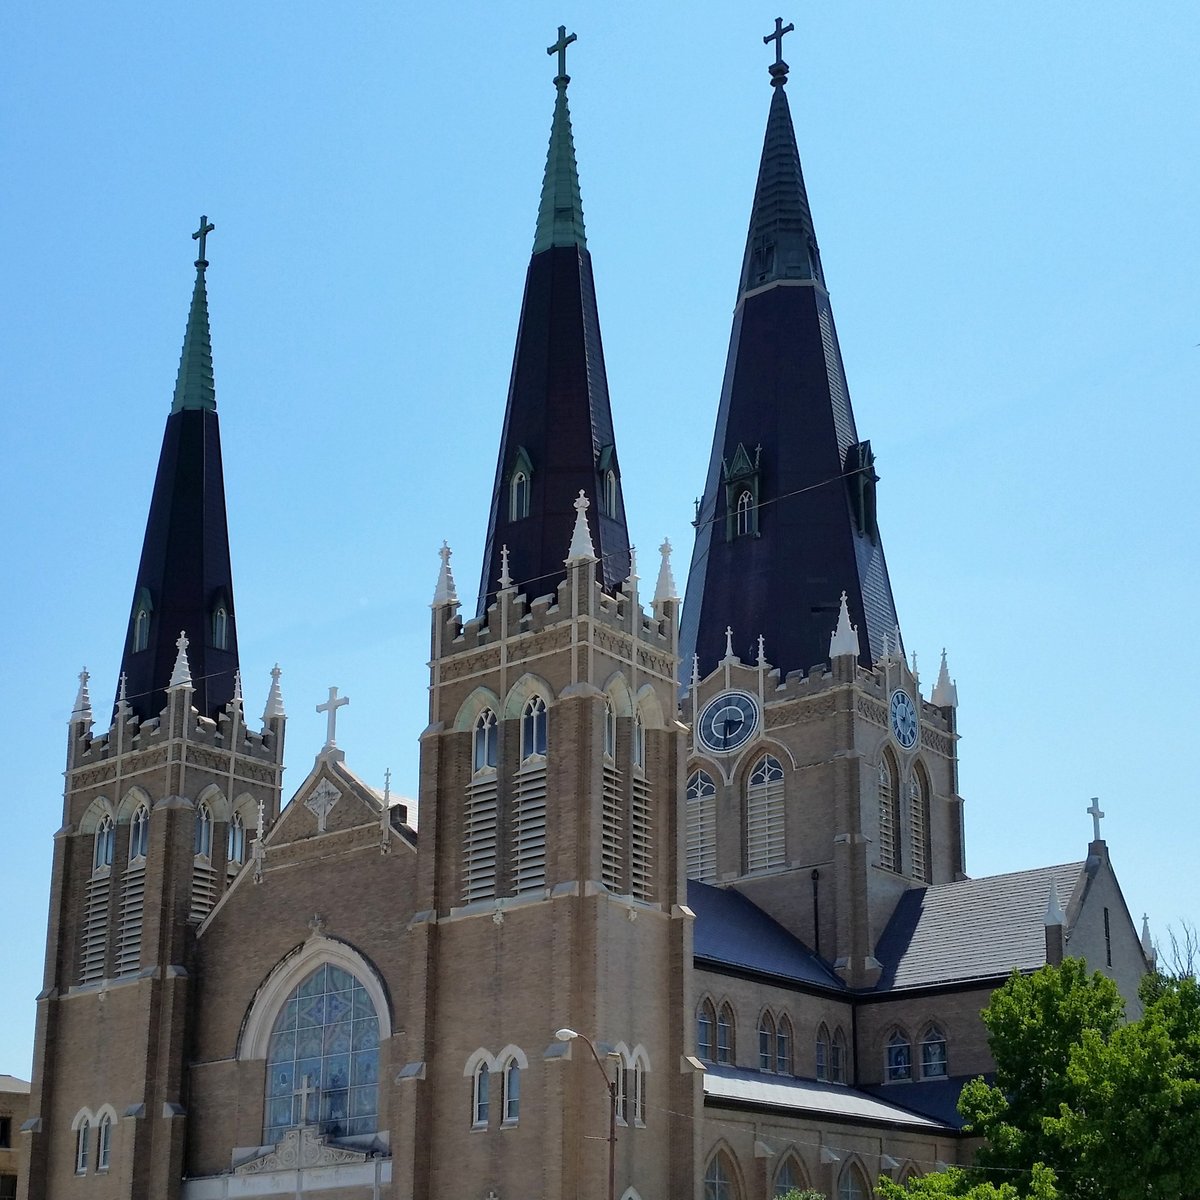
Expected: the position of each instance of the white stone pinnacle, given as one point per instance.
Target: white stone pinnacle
(1054, 910)
(844, 640)
(945, 692)
(274, 697)
(83, 701)
(665, 589)
(505, 576)
(729, 654)
(237, 688)
(445, 592)
(695, 670)
(581, 538)
(121, 688)
(181, 676)
(762, 651)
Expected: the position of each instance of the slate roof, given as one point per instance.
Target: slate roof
(933, 1098)
(11, 1085)
(971, 929)
(732, 931)
(808, 1096)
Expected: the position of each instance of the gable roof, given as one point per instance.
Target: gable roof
(731, 931)
(972, 928)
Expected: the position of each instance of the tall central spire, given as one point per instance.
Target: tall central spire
(788, 518)
(558, 431)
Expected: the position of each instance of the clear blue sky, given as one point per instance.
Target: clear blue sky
(1006, 196)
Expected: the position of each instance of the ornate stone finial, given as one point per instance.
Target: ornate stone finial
(505, 575)
(945, 691)
(181, 676)
(201, 236)
(695, 671)
(844, 640)
(631, 580)
(237, 687)
(581, 538)
(1054, 910)
(83, 700)
(886, 653)
(387, 787)
(445, 592)
(1147, 941)
(330, 709)
(778, 69)
(274, 697)
(560, 48)
(262, 818)
(1096, 814)
(762, 651)
(913, 667)
(121, 689)
(665, 589)
(729, 654)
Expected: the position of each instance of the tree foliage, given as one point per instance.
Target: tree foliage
(959, 1184)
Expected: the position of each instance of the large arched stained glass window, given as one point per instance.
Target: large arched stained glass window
(323, 1060)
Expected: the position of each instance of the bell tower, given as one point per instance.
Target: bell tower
(160, 813)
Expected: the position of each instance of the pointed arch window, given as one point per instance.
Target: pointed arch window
(889, 815)
(484, 735)
(706, 1022)
(783, 1046)
(480, 1091)
(726, 1032)
(235, 840)
(639, 740)
(766, 1043)
(140, 630)
(102, 851)
(822, 1052)
(610, 730)
(220, 624)
(533, 729)
(853, 1184)
(139, 832)
(790, 1177)
(519, 486)
(612, 499)
(899, 1057)
(512, 1092)
(765, 847)
(323, 1058)
(933, 1054)
(745, 513)
(104, 1143)
(202, 842)
(718, 1179)
(918, 825)
(837, 1058)
(701, 827)
(83, 1137)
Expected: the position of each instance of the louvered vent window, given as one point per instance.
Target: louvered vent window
(918, 820)
(129, 932)
(479, 838)
(701, 827)
(889, 817)
(641, 850)
(764, 816)
(95, 930)
(529, 827)
(612, 839)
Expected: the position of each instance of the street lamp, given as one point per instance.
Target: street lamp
(569, 1035)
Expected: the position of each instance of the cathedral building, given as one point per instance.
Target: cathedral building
(687, 914)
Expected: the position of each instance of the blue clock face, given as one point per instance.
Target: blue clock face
(727, 722)
(903, 714)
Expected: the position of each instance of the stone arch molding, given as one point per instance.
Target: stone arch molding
(618, 693)
(472, 706)
(99, 808)
(630, 1194)
(129, 805)
(528, 686)
(288, 973)
(218, 805)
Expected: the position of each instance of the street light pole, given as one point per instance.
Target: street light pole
(569, 1035)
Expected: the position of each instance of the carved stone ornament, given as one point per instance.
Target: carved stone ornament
(322, 798)
(303, 1147)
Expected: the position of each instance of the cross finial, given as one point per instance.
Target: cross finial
(122, 687)
(201, 236)
(1096, 814)
(729, 641)
(387, 786)
(330, 708)
(778, 68)
(505, 574)
(762, 651)
(560, 48)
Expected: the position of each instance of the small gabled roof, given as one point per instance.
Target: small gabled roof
(13, 1086)
(731, 931)
(971, 929)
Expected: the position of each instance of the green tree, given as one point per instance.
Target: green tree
(955, 1183)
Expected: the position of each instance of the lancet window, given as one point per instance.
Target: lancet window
(933, 1054)
(701, 827)
(889, 815)
(765, 843)
(102, 851)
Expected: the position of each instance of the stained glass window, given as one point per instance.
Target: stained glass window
(323, 1060)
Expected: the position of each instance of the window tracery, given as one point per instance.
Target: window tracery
(899, 1057)
(933, 1054)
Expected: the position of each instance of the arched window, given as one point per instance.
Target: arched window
(783, 1046)
(766, 1043)
(837, 1058)
(104, 1143)
(610, 730)
(220, 627)
(933, 1054)
(512, 1092)
(204, 832)
(480, 1087)
(899, 1057)
(701, 827)
(139, 833)
(141, 628)
(611, 503)
(764, 815)
(745, 513)
(706, 1020)
(889, 816)
(485, 741)
(790, 1177)
(102, 852)
(718, 1179)
(918, 825)
(725, 1035)
(83, 1137)
(533, 729)
(852, 1185)
(235, 840)
(639, 740)
(518, 496)
(639, 1090)
(822, 1049)
(323, 1058)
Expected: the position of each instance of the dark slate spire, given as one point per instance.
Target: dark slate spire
(184, 581)
(786, 448)
(558, 430)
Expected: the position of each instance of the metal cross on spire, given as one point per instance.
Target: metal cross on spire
(201, 236)
(1096, 814)
(330, 707)
(778, 68)
(560, 48)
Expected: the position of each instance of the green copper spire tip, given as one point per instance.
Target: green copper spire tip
(194, 385)
(560, 213)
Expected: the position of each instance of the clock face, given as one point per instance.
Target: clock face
(903, 714)
(727, 722)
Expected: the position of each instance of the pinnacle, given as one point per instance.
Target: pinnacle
(845, 636)
(665, 589)
(445, 592)
(194, 384)
(181, 676)
(560, 213)
(581, 538)
(274, 697)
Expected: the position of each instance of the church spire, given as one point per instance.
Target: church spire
(184, 581)
(558, 432)
(787, 521)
